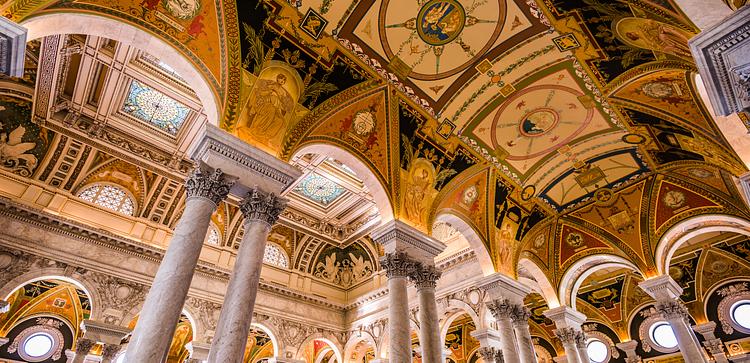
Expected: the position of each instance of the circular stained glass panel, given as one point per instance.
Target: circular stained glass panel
(597, 350)
(741, 313)
(663, 335)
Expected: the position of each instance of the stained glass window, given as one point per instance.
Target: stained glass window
(274, 255)
(319, 189)
(213, 236)
(110, 197)
(155, 108)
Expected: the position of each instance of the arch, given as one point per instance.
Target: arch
(55, 274)
(377, 189)
(689, 228)
(271, 335)
(541, 281)
(354, 340)
(78, 23)
(319, 336)
(583, 268)
(475, 242)
(460, 309)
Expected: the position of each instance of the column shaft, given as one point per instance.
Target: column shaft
(677, 317)
(399, 346)
(425, 278)
(261, 211)
(503, 311)
(520, 317)
(161, 310)
(568, 338)
(398, 266)
(525, 344)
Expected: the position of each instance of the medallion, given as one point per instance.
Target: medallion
(440, 21)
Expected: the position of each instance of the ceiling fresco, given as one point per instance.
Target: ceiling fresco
(555, 129)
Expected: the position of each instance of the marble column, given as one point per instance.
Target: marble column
(666, 292)
(568, 337)
(425, 279)
(109, 352)
(502, 310)
(489, 342)
(161, 310)
(520, 317)
(261, 210)
(629, 348)
(398, 266)
(583, 352)
(713, 344)
(405, 248)
(83, 347)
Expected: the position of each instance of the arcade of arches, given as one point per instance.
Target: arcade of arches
(333, 181)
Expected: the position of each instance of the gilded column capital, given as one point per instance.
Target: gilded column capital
(520, 315)
(672, 309)
(213, 186)
(425, 276)
(502, 308)
(83, 346)
(397, 264)
(487, 353)
(566, 335)
(261, 206)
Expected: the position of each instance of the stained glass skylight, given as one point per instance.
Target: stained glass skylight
(319, 189)
(155, 108)
(109, 197)
(273, 255)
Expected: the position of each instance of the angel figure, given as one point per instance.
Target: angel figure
(13, 151)
(327, 271)
(361, 267)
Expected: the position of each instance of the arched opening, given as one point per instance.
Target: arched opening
(260, 345)
(90, 24)
(360, 348)
(319, 349)
(323, 154)
(583, 268)
(44, 319)
(458, 342)
(531, 275)
(466, 237)
(691, 228)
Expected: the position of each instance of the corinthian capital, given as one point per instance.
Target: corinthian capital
(567, 335)
(110, 351)
(83, 346)
(425, 276)
(580, 340)
(672, 309)
(213, 186)
(487, 353)
(501, 308)
(397, 264)
(521, 315)
(260, 206)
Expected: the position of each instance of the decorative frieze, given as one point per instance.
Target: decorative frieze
(214, 186)
(118, 296)
(262, 207)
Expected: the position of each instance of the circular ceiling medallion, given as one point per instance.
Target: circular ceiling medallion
(440, 21)
(538, 122)
(633, 139)
(436, 39)
(604, 196)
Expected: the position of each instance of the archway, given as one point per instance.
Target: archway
(471, 236)
(90, 24)
(361, 170)
(690, 228)
(539, 278)
(581, 269)
(359, 347)
(314, 345)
